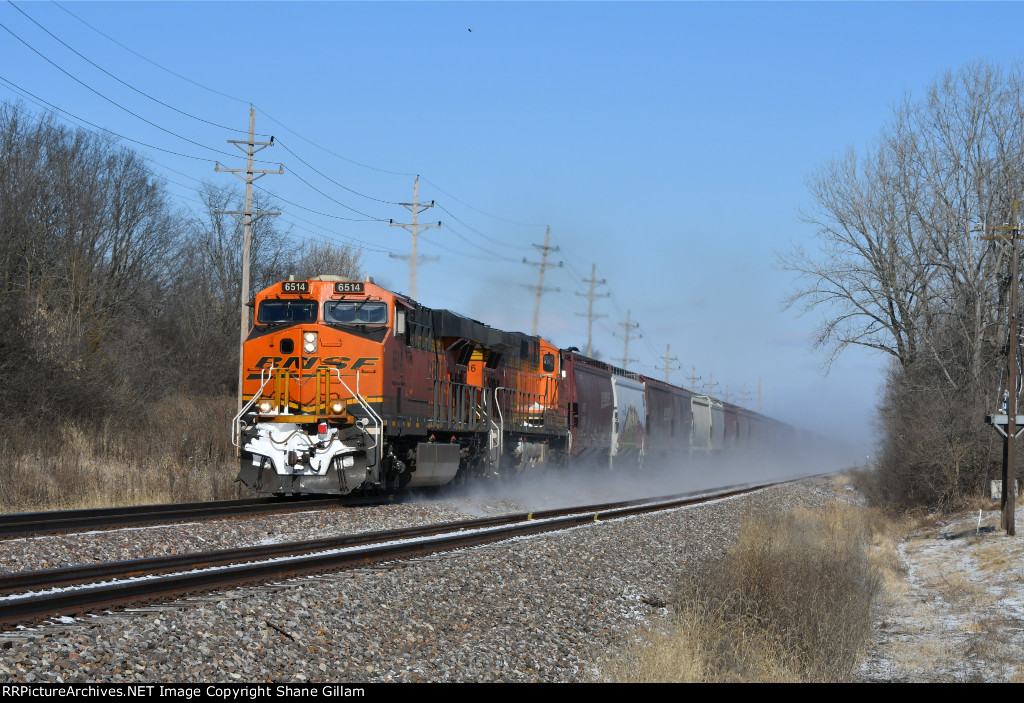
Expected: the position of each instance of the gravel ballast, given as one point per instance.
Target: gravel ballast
(548, 608)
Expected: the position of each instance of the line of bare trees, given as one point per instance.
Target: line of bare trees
(112, 294)
(901, 269)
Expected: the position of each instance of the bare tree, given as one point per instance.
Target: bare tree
(200, 326)
(898, 251)
(869, 274)
(315, 258)
(900, 268)
(85, 231)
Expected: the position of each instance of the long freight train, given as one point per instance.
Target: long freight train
(350, 387)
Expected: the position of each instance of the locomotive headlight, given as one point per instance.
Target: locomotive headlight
(266, 406)
(309, 342)
(336, 407)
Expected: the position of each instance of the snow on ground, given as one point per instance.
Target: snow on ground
(957, 613)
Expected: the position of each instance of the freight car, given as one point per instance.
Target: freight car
(350, 387)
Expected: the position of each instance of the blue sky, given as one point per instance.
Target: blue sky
(667, 143)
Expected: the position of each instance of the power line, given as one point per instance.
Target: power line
(490, 254)
(496, 217)
(336, 202)
(456, 252)
(311, 142)
(341, 238)
(335, 155)
(42, 102)
(109, 100)
(303, 161)
(316, 212)
(93, 124)
(322, 175)
(163, 68)
(97, 129)
(124, 83)
(293, 153)
(478, 232)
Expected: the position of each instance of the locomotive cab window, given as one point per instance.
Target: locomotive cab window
(549, 363)
(356, 312)
(286, 311)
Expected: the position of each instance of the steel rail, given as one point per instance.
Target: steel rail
(235, 567)
(52, 522)
(87, 573)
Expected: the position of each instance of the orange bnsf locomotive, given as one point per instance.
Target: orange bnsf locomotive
(348, 386)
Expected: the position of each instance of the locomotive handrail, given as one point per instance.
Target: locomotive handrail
(500, 426)
(236, 424)
(520, 406)
(378, 422)
(452, 406)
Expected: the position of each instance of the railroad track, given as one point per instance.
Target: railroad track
(35, 595)
(43, 523)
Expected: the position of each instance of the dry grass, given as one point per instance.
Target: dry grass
(180, 452)
(791, 601)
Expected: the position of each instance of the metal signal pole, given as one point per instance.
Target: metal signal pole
(415, 207)
(247, 217)
(1010, 419)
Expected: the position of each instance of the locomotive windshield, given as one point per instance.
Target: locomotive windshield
(286, 311)
(356, 312)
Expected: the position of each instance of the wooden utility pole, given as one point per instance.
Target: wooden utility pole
(247, 217)
(668, 368)
(628, 327)
(543, 265)
(590, 304)
(710, 385)
(415, 207)
(1010, 419)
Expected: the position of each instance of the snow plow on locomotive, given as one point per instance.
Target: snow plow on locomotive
(350, 387)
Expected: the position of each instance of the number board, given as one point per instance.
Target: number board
(348, 287)
(294, 287)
